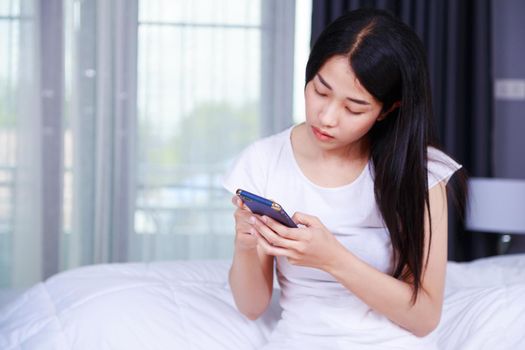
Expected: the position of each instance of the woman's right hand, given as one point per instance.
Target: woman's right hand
(246, 234)
(251, 273)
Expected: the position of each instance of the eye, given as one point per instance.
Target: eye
(319, 93)
(352, 112)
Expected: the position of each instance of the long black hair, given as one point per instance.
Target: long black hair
(389, 60)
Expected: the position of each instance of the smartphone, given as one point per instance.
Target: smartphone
(263, 206)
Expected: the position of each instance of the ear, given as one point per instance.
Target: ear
(394, 106)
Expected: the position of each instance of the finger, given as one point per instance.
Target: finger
(245, 216)
(242, 214)
(270, 249)
(245, 220)
(248, 218)
(248, 237)
(237, 201)
(244, 227)
(305, 219)
(272, 237)
(268, 234)
(280, 229)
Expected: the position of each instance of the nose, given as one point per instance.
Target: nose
(329, 115)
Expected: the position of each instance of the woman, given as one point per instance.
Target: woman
(366, 267)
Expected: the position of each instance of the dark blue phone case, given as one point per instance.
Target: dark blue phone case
(263, 206)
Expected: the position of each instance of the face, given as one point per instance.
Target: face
(339, 111)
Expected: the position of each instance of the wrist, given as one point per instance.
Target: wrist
(339, 260)
(242, 246)
(245, 261)
(244, 252)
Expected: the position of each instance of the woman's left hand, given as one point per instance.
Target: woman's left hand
(310, 245)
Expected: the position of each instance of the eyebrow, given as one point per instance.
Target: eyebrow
(361, 102)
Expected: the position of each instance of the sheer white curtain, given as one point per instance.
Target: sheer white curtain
(207, 86)
(20, 157)
(119, 118)
(27, 234)
(99, 51)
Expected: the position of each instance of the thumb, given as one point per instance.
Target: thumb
(305, 219)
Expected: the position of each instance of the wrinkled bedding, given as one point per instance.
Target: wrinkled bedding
(188, 305)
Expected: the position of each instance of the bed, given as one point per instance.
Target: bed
(188, 305)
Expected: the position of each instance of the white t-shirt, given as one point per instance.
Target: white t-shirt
(313, 302)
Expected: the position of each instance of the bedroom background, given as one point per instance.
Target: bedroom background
(118, 117)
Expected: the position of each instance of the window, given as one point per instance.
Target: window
(9, 36)
(198, 106)
(114, 136)
(16, 141)
(303, 15)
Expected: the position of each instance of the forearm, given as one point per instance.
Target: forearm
(251, 287)
(387, 295)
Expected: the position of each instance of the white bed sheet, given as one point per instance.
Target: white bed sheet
(188, 305)
(484, 305)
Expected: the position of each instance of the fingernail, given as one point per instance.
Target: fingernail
(252, 220)
(265, 219)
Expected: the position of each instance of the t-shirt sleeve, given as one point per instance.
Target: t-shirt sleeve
(248, 171)
(440, 167)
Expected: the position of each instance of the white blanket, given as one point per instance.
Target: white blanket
(188, 305)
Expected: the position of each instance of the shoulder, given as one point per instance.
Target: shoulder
(440, 166)
(266, 143)
(274, 141)
(251, 167)
(262, 149)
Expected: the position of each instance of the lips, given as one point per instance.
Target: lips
(321, 135)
